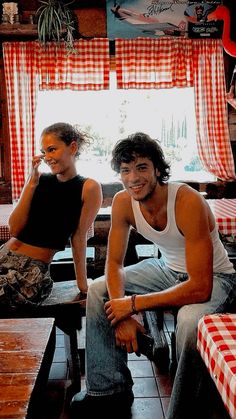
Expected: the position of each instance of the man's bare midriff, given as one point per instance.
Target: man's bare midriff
(39, 253)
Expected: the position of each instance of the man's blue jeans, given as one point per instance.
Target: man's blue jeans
(106, 364)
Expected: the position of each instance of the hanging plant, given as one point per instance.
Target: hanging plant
(56, 22)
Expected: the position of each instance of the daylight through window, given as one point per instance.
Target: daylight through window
(166, 114)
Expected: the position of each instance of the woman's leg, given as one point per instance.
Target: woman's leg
(23, 280)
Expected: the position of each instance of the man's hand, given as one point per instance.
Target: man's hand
(118, 309)
(126, 334)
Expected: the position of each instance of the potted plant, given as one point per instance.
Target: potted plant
(56, 22)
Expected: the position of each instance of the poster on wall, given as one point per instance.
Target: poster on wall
(151, 18)
(197, 14)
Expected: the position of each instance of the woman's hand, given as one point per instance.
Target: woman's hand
(118, 309)
(34, 177)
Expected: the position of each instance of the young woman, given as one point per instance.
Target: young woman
(53, 208)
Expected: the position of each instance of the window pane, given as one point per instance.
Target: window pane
(166, 114)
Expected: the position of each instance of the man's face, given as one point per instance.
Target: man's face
(139, 178)
(199, 12)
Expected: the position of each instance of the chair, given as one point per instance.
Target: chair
(154, 324)
(154, 319)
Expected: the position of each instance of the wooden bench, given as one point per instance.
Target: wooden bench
(62, 266)
(67, 307)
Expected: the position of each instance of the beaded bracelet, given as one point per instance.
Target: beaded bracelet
(133, 308)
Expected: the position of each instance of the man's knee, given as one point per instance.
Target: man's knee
(187, 321)
(97, 288)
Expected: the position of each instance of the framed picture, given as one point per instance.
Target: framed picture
(151, 18)
(197, 16)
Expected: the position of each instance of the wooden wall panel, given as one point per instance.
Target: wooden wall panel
(92, 22)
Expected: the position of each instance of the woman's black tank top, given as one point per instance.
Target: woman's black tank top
(54, 213)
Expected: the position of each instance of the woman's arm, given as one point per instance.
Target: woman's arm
(19, 215)
(92, 201)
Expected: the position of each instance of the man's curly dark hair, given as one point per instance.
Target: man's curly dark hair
(140, 145)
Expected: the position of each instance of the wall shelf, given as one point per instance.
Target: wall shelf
(18, 29)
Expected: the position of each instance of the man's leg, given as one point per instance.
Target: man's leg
(107, 373)
(106, 364)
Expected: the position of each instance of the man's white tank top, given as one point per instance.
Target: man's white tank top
(171, 242)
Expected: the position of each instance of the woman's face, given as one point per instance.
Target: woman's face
(59, 156)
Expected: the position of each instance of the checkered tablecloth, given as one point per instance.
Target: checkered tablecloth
(217, 345)
(5, 211)
(224, 211)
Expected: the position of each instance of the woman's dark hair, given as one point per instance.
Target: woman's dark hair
(140, 145)
(68, 133)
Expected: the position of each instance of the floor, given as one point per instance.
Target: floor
(151, 388)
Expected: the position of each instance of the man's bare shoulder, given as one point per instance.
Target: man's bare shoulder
(122, 207)
(122, 198)
(191, 208)
(186, 195)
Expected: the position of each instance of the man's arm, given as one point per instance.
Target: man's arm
(121, 221)
(117, 244)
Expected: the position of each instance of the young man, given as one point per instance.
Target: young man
(194, 273)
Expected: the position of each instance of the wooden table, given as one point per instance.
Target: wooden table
(223, 209)
(25, 345)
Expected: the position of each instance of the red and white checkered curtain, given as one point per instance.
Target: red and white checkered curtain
(29, 67)
(211, 109)
(181, 62)
(20, 66)
(149, 63)
(87, 69)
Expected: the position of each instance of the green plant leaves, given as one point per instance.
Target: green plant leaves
(56, 22)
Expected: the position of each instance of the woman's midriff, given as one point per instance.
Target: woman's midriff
(39, 253)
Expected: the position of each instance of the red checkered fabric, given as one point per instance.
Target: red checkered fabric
(182, 62)
(213, 138)
(30, 66)
(225, 214)
(87, 69)
(20, 65)
(217, 345)
(149, 63)
(4, 233)
(5, 211)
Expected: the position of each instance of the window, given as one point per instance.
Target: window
(166, 114)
